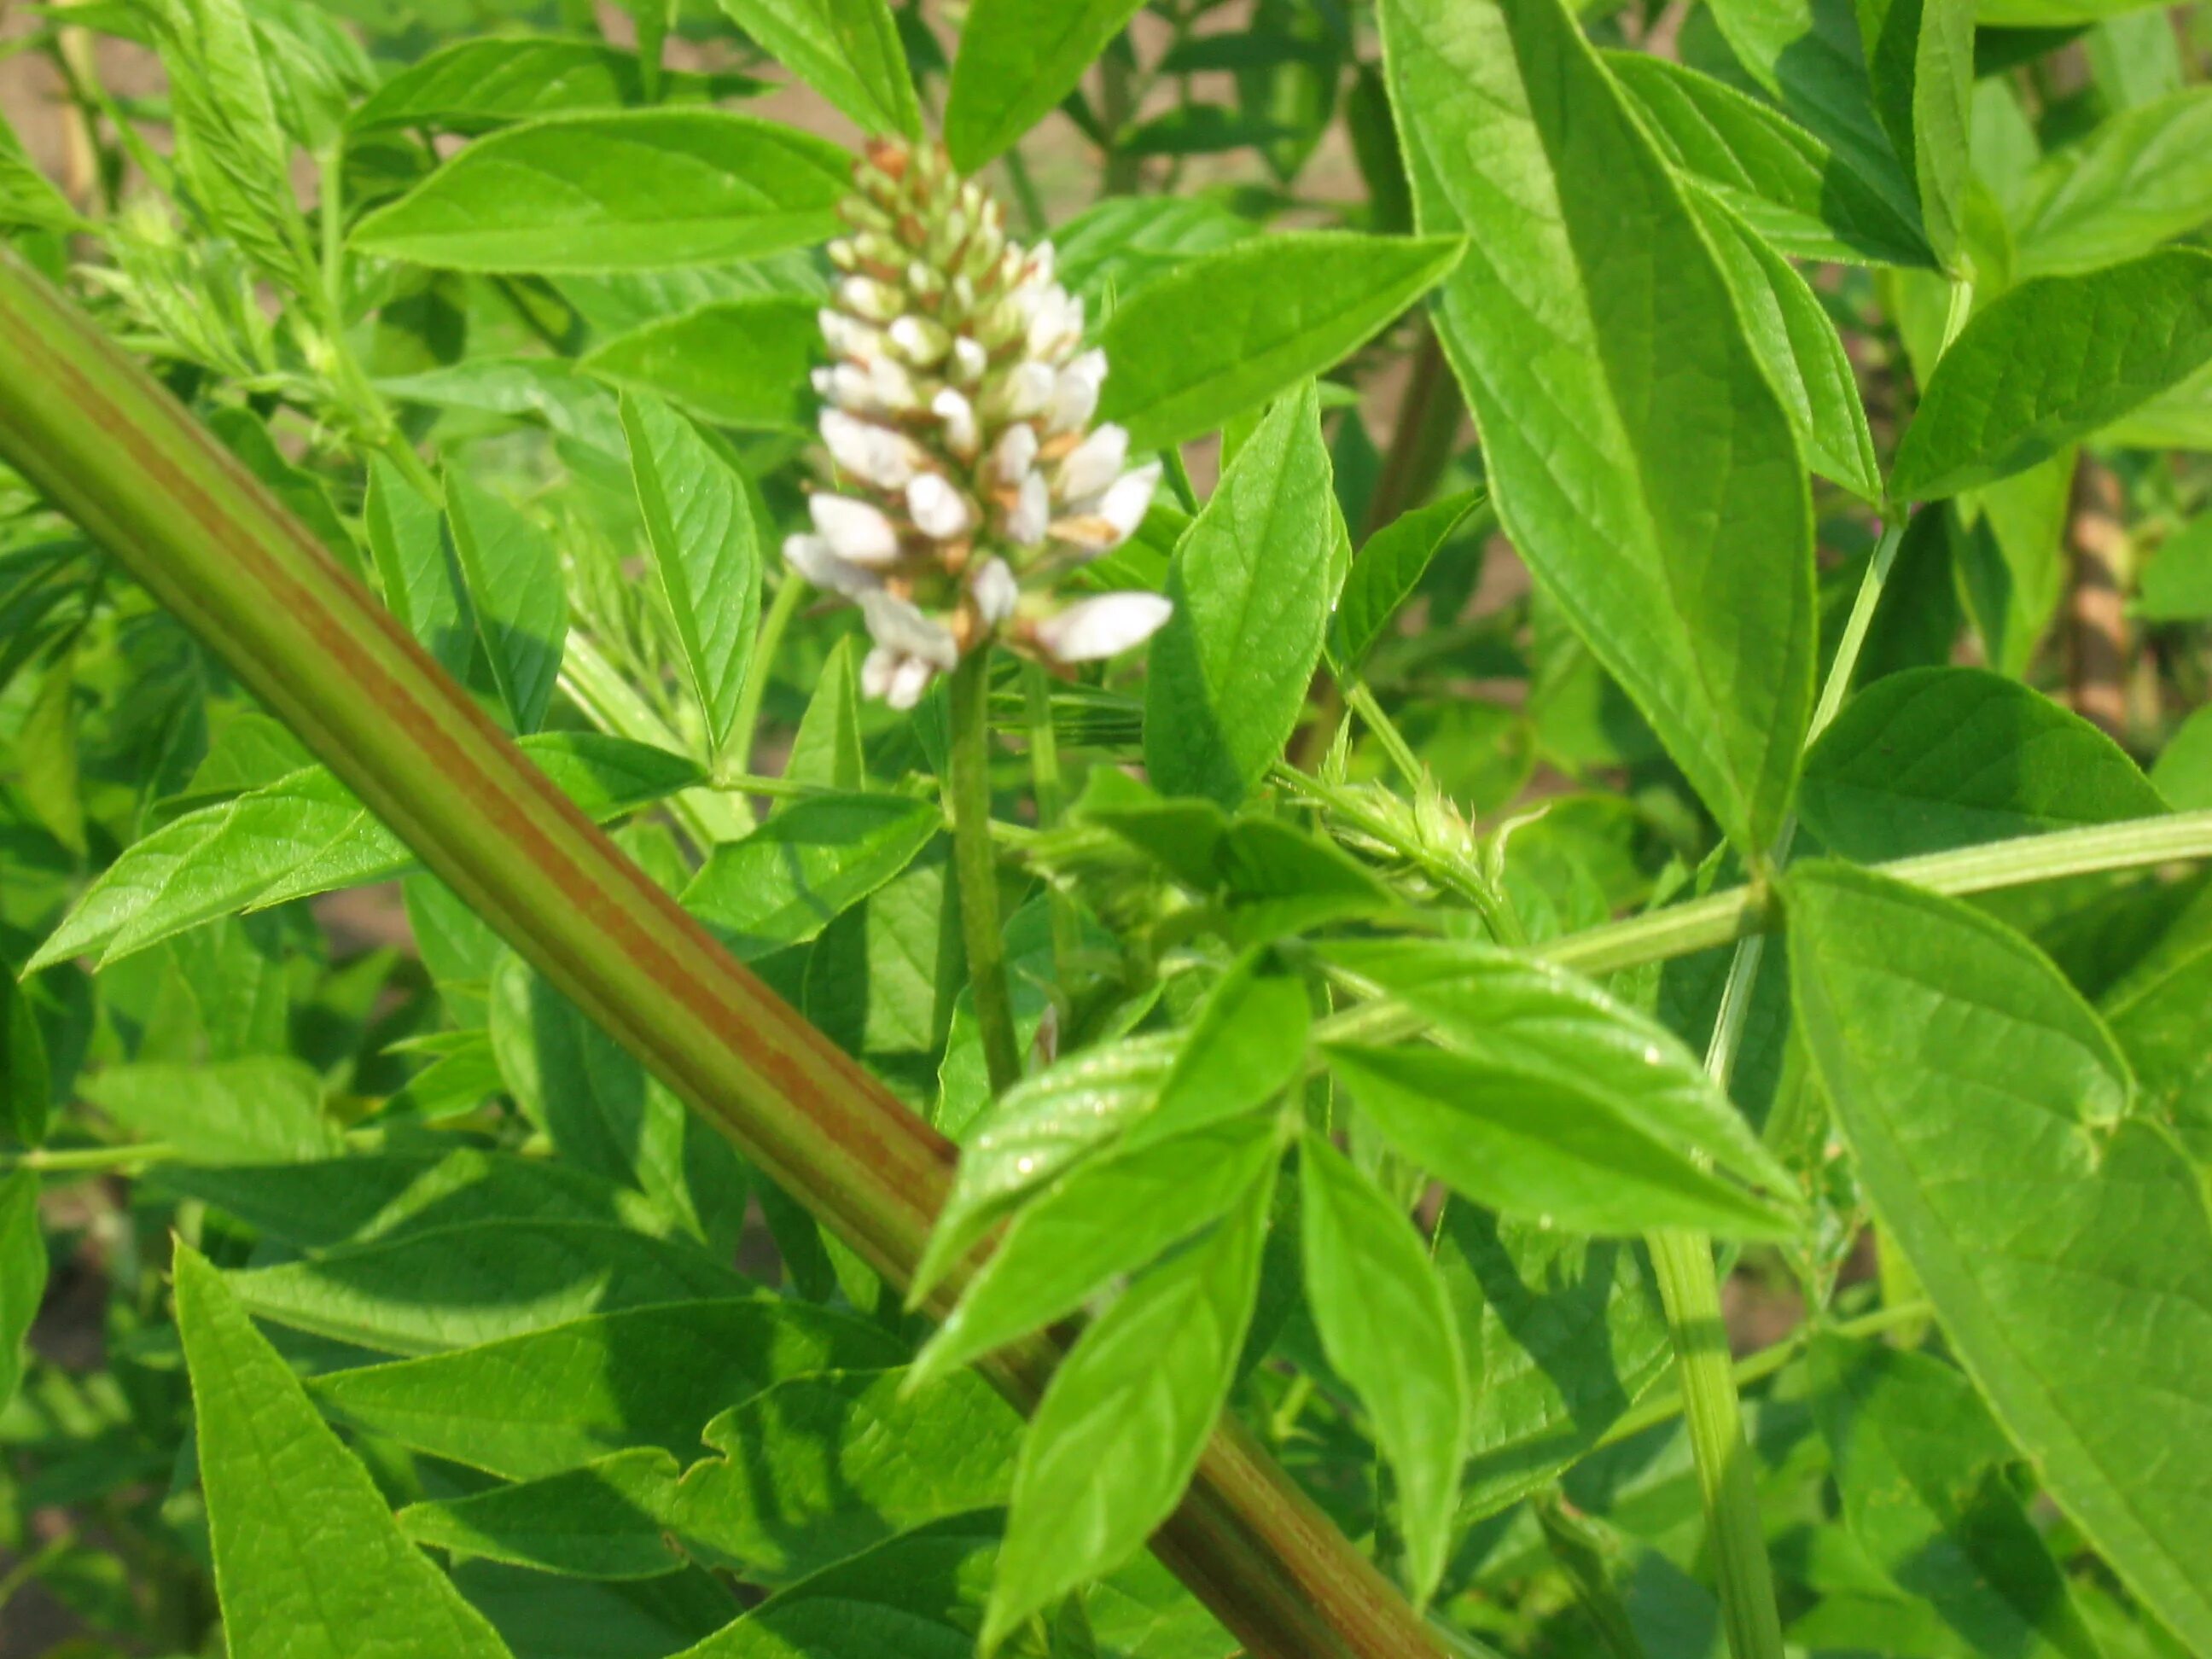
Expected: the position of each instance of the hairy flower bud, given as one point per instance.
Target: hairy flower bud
(957, 413)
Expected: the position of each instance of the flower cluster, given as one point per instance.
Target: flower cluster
(958, 413)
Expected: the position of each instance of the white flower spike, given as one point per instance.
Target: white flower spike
(958, 411)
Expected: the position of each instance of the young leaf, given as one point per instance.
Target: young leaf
(1920, 65)
(260, 1111)
(699, 522)
(306, 1556)
(1940, 758)
(1226, 332)
(1804, 354)
(2177, 585)
(308, 834)
(847, 51)
(1018, 59)
(1108, 1217)
(549, 391)
(1386, 1325)
(1386, 572)
(27, 197)
(554, 1400)
(422, 585)
(737, 363)
(473, 86)
(439, 1288)
(26, 1079)
(788, 879)
(1119, 1432)
(1666, 512)
(22, 1273)
(825, 750)
(642, 191)
(602, 1521)
(1791, 189)
(1251, 581)
(1246, 1045)
(2142, 177)
(2053, 360)
(2063, 1242)
(1921, 1467)
(515, 590)
(2010, 555)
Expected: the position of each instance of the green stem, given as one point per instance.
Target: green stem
(1361, 702)
(976, 862)
(95, 1160)
(612, 704)
(1051, 793)
(736, 751)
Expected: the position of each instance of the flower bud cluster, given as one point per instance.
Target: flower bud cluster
(958, 410)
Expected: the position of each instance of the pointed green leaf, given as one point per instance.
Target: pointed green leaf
(22, 1273)
(1246, 1045)
(1251, 581)
(515, 589)
(602, 1521)
(1647, 473)
(1386, 572)
(421, 583)
(808, 864)
(848, 50)
(2142, 177)
(2065, 1245)
(2053, 360)
(1119, 1432)
(736, 362)
(1920, 65)
(698, 523)
(1230, 330)
(1018, 59)
(472, 86)
(649, 189)
(1386, 1325)
(258, 1110)
(308, 1563)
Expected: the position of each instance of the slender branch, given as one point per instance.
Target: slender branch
(976, 863)
(736, 753)
(112, 450)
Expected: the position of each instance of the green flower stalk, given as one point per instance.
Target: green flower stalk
(958, 415)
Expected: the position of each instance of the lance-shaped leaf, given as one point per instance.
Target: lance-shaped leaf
(1385, 574)
(22, 1273)
(422, 583)
(1920, 66)
(737, 362)
(1018, 59)
(647, 189)
(263, 1108)
(847, 51)
(472, 85)
(2064, 1243)
(515, 590)
(806, 866)
(699, 522)
(308, 834)
(1228, 331)
(2053, 360)
(306, 1556)
(602, 1521)
(1646, 470)
(2141, 179)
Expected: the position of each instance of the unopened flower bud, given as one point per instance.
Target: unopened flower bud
(1103, 626)
(855, 531)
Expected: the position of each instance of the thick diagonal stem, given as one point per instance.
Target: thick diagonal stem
(113, 451)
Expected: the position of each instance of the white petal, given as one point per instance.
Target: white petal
(874, 454)
(940, 512)
(1026, 391)
(1031, 513)
(1057, 321)
(869, 298)
(1102, 626)
(848, 336)
(1075, 393)
(853, 530)
(994, 590)
(921, 341)
(897, 624)
(1095, 464)
(1014, 453)
(958, 415)
(1042, 259)
(810, 555)
(875, 672)
(908, 681)
(892, 386)
(1125, 503)
(970, 360)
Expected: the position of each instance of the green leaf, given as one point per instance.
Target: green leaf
(472, 86)
(698, 523)
(1126, 243)
(1386, 1325)
(2053, 360)
(1043, 1125)
(2064, 1245)
(1790, 188)
(516, 592)
(1107, 1217)
(2184, 772)
(1018, 59)
(27, 1080)
(1920, 65)
(308, 1563)
(644, 190)
(233, 1111)
(1920, 1466)
(1121, 1425)
(308, 834)
(1804, 355)
(796, 873)
(22, 1273)
(1386, 572)
(2177, 585)
(1230, 330)
(1251, 581)
(1246, 1046)
(1934, 759)
(549, 392)
(847, 51)
(2141, 179)
(738, 363)
(602, 1521)
(27, 197)
(435, 1289)
(2012, 561)
(421, 583)
(915, 1596)
(2160, 1014)
(538, 1404)
(819, 1467)
(1647, 474)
